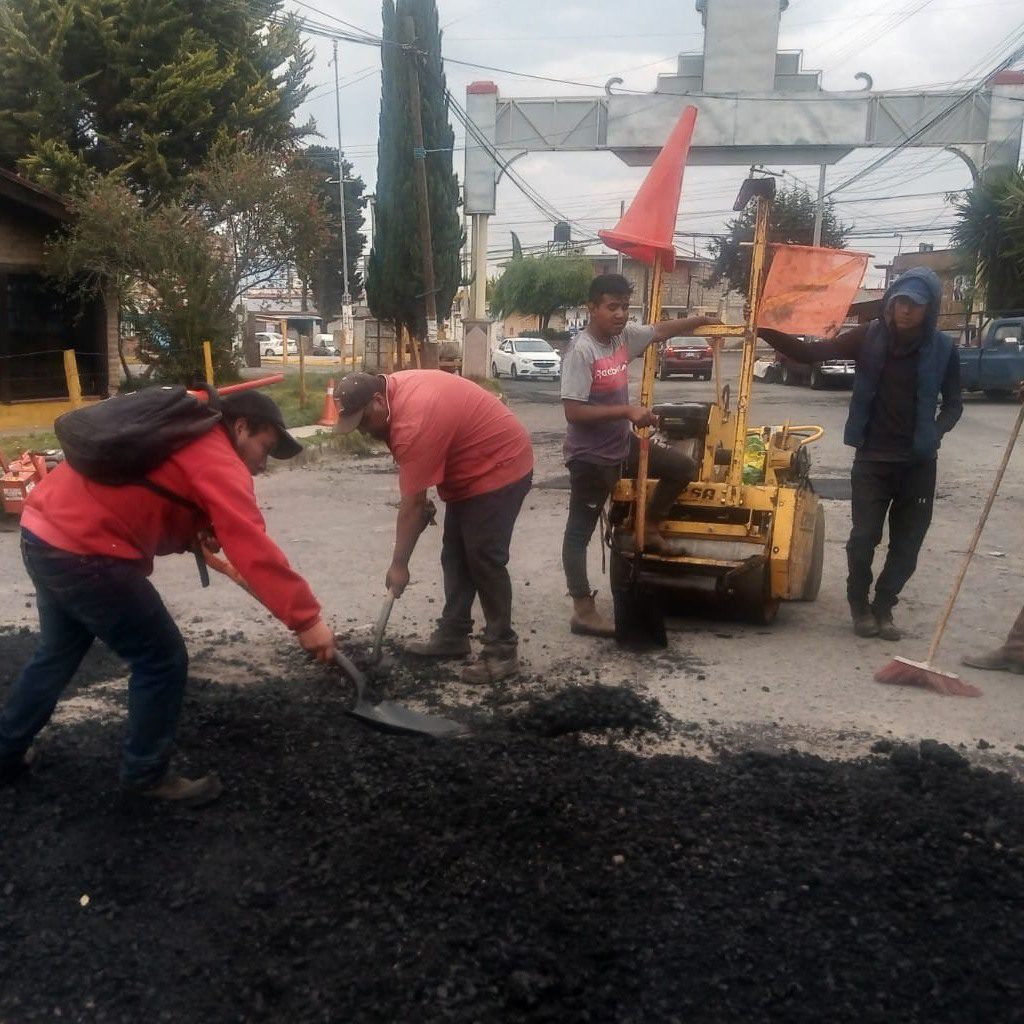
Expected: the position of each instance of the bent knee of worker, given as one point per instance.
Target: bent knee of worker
(673, 465)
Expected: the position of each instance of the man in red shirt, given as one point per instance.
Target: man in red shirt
(447, 432)
(89, 549)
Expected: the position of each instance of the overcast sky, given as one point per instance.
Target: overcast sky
(901, 43)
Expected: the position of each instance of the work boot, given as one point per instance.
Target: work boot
(659, 544)
(14, 767)
(490, 668)
(996, 661)
(887, 629)
(439, 645)
(178, 790)
(587, 620)
(864, 621)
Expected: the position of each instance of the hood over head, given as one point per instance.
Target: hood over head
(921, 285)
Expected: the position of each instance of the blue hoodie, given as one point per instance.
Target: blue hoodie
(933, 360)
(938, 368)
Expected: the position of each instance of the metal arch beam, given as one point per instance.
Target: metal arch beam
(805, 128)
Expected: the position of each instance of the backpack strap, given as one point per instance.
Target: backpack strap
(177, 499)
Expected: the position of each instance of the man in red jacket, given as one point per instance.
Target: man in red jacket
(89, 549)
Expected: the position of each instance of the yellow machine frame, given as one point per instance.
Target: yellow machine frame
(758, 543)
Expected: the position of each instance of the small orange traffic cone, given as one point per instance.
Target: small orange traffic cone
(329, 417)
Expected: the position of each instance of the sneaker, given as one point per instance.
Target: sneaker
(490, 669)
(995, 661)
(14, 767)
(440, 645)
(178, 790)
(864, 621)
(887, 629)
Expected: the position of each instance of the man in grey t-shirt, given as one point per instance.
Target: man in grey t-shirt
(599, 439)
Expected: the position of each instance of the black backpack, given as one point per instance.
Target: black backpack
(124, 438)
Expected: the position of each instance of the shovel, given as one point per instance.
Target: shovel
(382, 624)
(389, 716)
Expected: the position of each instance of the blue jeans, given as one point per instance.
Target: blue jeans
(80, 597)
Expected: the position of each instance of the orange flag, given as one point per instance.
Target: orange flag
(809, 290)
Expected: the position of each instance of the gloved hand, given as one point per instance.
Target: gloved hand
(319, 641)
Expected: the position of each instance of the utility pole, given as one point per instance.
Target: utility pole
(430, 349)
(819, 207)
(346, 298)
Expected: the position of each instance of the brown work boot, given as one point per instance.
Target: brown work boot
(864, 621)
(886, 628)
(439, 645)
(659, 544)
(996, 661)
(587, 620)
(181, 791)
(490, 668)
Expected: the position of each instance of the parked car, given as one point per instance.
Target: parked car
(323, 345)
(273, 344)
(526, 357)
(995, 365)
(691, 357)
(827, 373)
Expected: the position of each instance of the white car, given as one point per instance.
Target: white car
(273, 344)
(526, 357)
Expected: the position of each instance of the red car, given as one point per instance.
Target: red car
(687, 357)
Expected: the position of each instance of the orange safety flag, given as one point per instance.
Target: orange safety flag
(646, 228)
(809, 290)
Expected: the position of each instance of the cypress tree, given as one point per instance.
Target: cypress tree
(394, 278)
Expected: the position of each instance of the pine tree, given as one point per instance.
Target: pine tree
(791, 220)
(394, 280)
(325, 276)
(144, 88)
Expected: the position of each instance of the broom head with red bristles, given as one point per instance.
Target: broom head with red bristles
(904, 672)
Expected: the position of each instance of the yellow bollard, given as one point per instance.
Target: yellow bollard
(71, 376)
(208, 360)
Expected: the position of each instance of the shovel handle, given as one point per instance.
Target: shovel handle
(352, 672)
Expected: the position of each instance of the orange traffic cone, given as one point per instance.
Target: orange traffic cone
(329, 417)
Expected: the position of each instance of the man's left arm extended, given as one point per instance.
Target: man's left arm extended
(679, 328)
(952, 406)
(412, 517)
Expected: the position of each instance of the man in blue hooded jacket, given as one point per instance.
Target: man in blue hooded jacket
(906, 396)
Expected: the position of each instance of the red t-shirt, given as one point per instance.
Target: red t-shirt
(76, 514)
(449, 433)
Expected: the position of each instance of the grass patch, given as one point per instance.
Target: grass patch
(286, 394)
(12, 445)
(351, 444)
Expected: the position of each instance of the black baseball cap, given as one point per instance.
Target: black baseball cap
(256, 405)
(353, 395)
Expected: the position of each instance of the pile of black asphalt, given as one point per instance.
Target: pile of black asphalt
(530, 871)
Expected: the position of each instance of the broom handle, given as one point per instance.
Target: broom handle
(940, 629)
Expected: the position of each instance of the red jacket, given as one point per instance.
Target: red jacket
(76, 514)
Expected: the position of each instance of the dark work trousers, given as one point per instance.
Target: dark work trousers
(905, 491)
(474, 556)
(81, 597)
(591, 483)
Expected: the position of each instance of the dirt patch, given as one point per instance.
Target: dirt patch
(352, 876)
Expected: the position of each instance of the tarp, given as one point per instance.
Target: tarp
(809, 290)
(646, 228)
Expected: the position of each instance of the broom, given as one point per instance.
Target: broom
(903, 671)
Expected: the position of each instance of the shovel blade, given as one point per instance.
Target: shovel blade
(389, 716)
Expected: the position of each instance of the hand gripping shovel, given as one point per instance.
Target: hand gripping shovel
(389, 716)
